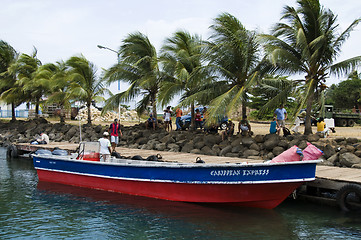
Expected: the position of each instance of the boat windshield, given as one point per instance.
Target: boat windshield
(89, 151)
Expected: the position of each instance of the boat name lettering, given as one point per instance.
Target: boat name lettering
(259, 172)
(226, 172)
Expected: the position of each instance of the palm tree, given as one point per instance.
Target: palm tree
(33, 88)
(309, 42)
(85, 85)
(8, 78)
(57, 76)
(236, 57)
(137, 66)
(184, 58)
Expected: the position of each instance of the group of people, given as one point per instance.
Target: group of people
(107, 147)
(280, 115)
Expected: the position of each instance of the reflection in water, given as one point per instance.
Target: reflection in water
(210, 220)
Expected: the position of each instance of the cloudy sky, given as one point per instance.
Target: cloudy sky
(60, 29)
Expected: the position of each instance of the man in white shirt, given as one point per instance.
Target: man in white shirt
(44, 139)
(105, 147)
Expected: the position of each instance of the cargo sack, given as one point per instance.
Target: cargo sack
(290, 155)
(311, 152)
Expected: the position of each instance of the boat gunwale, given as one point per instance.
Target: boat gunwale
(145, 163)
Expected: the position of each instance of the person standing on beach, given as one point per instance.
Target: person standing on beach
(179, 114)
(281, 115)
(115, 131)
(105, 146)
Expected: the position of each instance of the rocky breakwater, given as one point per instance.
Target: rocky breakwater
(341, 152)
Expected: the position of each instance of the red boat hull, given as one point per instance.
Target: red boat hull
(263, 195)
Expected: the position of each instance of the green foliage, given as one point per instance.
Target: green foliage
(346, 94)
(308, 42)
(137, 66)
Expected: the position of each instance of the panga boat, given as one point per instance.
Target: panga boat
(263, 185)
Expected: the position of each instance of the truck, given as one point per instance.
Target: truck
(342, 119)
(334, 117)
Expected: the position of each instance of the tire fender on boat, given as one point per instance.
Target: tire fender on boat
(12, 151)
(345, 194)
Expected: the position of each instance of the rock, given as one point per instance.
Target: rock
(236, 149)
(350, 148)
(161, 146)
(141, 141)
(271, 143)
(328, 151)
(278, 150)
(225, 150)
(283, 143)
(358, 165)
(348, 159)
(254, 146)
(195, 151)
(351, 140)
(259, 138)
(250, 152)
(207, 151)
(188, 147)
(358, 153)
(302, 144)
(269, 156)
(167, 139)
(333, 159)
(199, 144)
(173, 147)
(339, 139)
(236, 142)
(313, 137)
(211, 140)
(216, 149)
(247, 141)
(231, 155)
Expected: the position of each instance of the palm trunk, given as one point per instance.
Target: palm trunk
(62, 118)
(13, 117)
(37, 110)
(154, 107)
(308, 127)
(89, 113)
(244, 108)
(193, 120)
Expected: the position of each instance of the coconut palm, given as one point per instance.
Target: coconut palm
(184, 58)
(33, 88)
(59, 89)
(10, 93)
(309, 42)
(137, 66)
(85, 85)
(236, 57)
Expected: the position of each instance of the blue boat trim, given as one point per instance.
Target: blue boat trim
(173, 181)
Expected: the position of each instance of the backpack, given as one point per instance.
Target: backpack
(286, 132)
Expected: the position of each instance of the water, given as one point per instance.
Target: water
(32, 210)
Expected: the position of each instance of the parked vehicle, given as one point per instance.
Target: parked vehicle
(186, 120)
(339, 117)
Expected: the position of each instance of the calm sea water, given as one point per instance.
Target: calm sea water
(32, 210)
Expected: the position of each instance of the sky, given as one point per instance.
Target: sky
(60, 29)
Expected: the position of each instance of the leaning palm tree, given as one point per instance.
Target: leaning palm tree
(236, 57)
(85, 85)
(8, 79)
(33, 88)
(309, 42)
(138, 66)
(184, 58)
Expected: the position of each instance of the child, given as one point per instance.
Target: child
(274, 128)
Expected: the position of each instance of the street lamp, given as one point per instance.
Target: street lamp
(102, 47)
